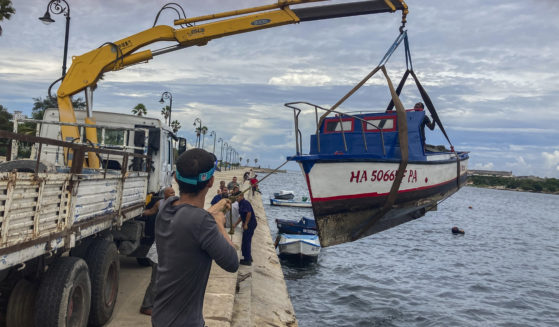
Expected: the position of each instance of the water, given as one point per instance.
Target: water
(503, 272)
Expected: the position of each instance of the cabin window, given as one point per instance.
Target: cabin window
(376, 124)
(335, 126)
(112, 136)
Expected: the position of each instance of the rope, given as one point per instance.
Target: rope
(273, 171)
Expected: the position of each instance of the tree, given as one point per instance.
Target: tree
(6, 11)
(175, 125)
(201, 131)
(255, 161)
(140, 110)
(204, 131)
(248, 161)
(166, 113)
(40, 105)
(5, 125)
(240, 159)
(5, 116)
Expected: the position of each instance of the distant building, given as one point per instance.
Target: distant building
(493, 173)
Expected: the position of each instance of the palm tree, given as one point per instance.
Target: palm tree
(240, 159)
(248, 161)
(201, 131)
(175, 125)
(166, 113)
(204, 131)
(255, 161)
(140, 110)
(6, 11)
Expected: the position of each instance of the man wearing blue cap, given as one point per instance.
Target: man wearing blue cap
(188, 238)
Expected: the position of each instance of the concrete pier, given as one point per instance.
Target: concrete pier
(253, 296)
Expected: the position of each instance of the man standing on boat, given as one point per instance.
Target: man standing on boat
(188, 239)
(426, 121)
(249, 225)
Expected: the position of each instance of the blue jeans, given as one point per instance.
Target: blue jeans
(246, 244)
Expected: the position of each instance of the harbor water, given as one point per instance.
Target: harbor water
(503, 272)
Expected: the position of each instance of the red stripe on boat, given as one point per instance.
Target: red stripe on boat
(375, 194)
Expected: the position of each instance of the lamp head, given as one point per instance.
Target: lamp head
(46, 19)
(161, 100)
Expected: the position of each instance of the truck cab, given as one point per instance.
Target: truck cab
(121, 132)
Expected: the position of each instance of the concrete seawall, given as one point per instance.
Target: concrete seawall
(253, 296)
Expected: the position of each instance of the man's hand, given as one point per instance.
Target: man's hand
(219, 218)
(245, 226)
(222, 206)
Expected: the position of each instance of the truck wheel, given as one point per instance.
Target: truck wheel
(104, 265)
(64, 296)
(144, 262)
(21, 305)
(24, 166)
(80, 250)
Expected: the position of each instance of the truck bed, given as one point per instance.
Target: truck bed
(44, 212)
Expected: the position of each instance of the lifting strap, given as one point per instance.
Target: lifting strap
(404, 153)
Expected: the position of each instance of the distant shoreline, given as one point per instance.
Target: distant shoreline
(532, 185)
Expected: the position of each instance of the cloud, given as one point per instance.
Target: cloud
(487, 166)
(551, 162)
(493, 87)
(299, 77)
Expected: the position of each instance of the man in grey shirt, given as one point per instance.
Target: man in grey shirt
(188, 238)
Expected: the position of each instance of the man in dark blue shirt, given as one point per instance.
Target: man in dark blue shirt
(217, 198)
(249, 225)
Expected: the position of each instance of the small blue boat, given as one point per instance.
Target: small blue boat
(304, 226)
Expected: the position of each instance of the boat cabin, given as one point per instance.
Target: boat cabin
(374, 135)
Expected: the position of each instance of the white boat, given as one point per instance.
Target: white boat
(299, 245)
(371, 171)
(291, 203)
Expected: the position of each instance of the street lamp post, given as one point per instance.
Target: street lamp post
(230, 152)
(58, 7)
(226, 156)
(226, 145)
(215, 136)
(199, 132)
(167, 96)
(221, 156)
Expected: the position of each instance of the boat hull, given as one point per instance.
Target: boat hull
(301, 247)
(287, 196)
(304, 226)
(290, 203)
(347, 195)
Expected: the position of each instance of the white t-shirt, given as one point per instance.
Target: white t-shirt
(236, 215)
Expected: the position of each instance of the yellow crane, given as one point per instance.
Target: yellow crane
(87, 68)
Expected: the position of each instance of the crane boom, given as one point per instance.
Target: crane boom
(87, 68)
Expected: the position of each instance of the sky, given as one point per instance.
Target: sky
(491, 68)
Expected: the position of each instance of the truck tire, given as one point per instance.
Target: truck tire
(24, 166)
(144, 262)
(80, 250)
(104, 265)
(64, 296)
(21, 305)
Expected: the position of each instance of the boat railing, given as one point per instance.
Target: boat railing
(298, 136)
